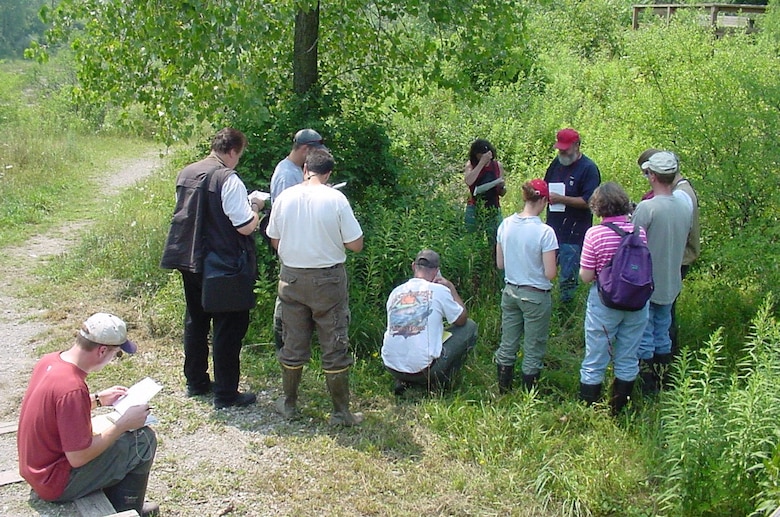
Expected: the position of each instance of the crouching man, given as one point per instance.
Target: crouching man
(416, 349)
(59, 455)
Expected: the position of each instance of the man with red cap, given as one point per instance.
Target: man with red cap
(572, 177)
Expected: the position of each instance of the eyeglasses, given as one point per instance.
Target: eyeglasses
(118, 353)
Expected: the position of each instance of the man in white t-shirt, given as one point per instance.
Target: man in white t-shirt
(415, 349)
(311, 226)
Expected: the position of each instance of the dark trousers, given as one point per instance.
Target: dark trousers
(229, 331)
(440, 373)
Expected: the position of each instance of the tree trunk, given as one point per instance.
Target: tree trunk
(307, 27)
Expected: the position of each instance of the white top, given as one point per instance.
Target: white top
(685, 197)
(312, 223)
(286, 175)
(235, 202)
(523, 241)
(415, 327)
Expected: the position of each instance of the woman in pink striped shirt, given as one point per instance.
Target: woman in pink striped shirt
(609, 333)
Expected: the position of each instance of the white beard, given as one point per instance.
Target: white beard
(566, 160)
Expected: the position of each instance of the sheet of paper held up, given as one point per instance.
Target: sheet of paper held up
(139, 393)
(557, 188)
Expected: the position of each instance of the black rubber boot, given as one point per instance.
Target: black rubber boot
(338, 386)
(648, 377)
(530, 381)
(291, 378)
(505, 375)
(129, 494)
(621, 392)
(661, 365)
(590, 393)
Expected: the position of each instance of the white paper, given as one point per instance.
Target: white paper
(260, 196)
(139, 393)
(557, 188)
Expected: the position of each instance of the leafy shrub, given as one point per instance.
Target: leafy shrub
(719, 427)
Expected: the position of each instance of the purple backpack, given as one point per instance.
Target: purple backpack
(626, 282)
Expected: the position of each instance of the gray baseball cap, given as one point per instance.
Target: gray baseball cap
(427, 258)
(308, 137)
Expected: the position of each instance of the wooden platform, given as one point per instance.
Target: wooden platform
(8, 427)
(721, 17)
(97, 504)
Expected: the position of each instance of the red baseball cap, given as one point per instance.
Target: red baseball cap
(541, 187)
(566, 138)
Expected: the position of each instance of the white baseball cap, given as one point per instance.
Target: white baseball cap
(663, 162)
(107, 329)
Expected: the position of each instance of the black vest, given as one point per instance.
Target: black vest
(199, 224)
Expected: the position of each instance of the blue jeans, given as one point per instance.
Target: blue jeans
(569, 261)
(524, 313)
(656, 338)
(611, 332)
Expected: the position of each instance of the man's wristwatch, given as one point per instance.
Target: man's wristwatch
(97, 400)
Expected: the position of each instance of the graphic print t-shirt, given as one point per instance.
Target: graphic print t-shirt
(415, 314)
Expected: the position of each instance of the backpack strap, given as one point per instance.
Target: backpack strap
(617, 229)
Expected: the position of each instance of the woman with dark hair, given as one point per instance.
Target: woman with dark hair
(484, 176)
(609, 333)
(526, 252)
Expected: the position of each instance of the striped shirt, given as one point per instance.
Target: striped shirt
(601, 242)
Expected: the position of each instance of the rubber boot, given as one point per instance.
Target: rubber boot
(661, 365)
(338, 386)
(590, 393)
(505, 375)
(291, 378)
(648, 377)
(129, 494)
(621, 392)
(530, 381)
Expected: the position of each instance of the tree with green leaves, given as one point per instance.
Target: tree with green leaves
(208, 59)
(19, 26)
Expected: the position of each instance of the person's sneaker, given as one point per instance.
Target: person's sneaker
(150, 509)
(241, 400)
(198, 391)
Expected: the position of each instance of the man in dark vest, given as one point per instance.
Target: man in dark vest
(213, 214)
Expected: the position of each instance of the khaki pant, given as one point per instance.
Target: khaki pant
(315, 298)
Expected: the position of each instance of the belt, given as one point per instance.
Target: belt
(532, 288)
(334, 266)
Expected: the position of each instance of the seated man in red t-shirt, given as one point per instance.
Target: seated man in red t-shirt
(59, 455)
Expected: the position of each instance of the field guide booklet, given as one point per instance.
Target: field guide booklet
(139, 393)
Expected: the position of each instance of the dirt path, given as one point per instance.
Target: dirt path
(22, 328)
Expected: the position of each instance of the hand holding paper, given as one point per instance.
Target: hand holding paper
(560, 189)
(138, 395)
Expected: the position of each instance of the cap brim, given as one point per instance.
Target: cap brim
(563, 146)
(129, 347)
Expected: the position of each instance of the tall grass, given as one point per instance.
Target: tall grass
(720, 427)
(47, 145)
